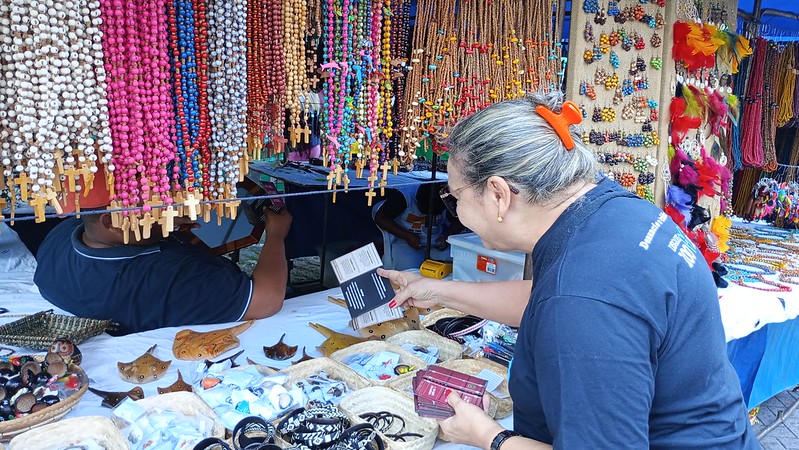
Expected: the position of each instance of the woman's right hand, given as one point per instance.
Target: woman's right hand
(412, 289)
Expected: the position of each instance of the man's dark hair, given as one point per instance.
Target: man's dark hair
(423, 197)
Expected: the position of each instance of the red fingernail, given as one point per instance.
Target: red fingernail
(392, 304)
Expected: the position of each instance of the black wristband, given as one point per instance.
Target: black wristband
(501, 437)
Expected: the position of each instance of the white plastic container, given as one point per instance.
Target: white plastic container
(473, 262)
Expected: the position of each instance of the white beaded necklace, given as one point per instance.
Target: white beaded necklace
(58, 93)
(227, 87)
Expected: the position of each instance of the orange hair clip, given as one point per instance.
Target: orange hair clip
(569, 115)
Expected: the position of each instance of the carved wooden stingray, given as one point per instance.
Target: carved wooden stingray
(144, 369)
(305, 357)
(335, 341)
(191, 345)
(231, 358)
(384, 330)
(178, 385)
(112, 399)
(280, 351)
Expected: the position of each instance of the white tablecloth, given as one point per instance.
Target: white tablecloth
(743, 311)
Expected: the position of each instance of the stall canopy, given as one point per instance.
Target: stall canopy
(779, 18)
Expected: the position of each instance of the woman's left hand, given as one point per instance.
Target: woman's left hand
(470, 425)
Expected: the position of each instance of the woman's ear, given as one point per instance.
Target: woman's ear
(500, 193)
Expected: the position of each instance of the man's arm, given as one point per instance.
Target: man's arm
(385, 217)
(270, 275)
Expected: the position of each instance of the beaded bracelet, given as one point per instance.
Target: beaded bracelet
(759, 278)
(747, 268)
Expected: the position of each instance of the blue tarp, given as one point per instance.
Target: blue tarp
(774, 26)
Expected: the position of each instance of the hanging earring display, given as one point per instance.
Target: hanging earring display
(655, 40)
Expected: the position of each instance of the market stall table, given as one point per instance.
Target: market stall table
(745, 313)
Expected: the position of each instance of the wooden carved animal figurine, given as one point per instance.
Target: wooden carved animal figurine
(231, 358)
(384, 330)
(178, 385)
(144, 369)
(68, 351)
(335, 341)
(280, 351)
(305, 357)
(191, 345)
(112, 399)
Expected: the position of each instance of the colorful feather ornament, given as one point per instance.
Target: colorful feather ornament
(721, 228)
(681, 201)
(733, 108)
(681, 123)
(717, 111)
(696, 44)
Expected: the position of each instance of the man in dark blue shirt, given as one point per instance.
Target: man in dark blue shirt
(85, 268)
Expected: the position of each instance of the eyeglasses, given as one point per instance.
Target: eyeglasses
(451, 203)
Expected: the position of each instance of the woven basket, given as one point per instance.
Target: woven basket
(475, 366)
(379, 398)
(372, 347)
(333, 368)
(186, 403)
(39, 330)
(11, 428)
(442, 313)
(68, 432)
(447, 348)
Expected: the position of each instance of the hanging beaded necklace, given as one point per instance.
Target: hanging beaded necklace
(227, 106)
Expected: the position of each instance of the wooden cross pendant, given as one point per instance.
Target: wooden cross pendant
(346, 181)
(22, 181)
(220, 212)
(370, 194)
(126, 230)
(206, 208)
(38, 204)
(168, 220)
(306, 135)
(147, 225)
(330, 178)
(191, 204)
(395, 165)
(372, 178)
(233, 208)
(134, 225)
(53, 199)
(72, 174)
(294, 136)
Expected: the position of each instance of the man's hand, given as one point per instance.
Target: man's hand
(277, 224)
(414, 240)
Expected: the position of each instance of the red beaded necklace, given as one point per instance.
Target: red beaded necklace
(777, 286)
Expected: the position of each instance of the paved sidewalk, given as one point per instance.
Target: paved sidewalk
(786, 435)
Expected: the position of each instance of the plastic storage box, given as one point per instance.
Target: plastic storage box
(473, 262)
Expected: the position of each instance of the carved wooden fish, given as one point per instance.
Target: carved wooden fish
(280, 351)
(191, 345)
(144, 369)
(335, 341)
(178, 385)
(112, 399)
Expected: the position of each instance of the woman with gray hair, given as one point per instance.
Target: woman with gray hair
(620, 341)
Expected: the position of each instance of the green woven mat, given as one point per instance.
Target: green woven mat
(39, 330)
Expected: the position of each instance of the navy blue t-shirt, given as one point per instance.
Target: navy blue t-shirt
(142, 288)
(621, 345)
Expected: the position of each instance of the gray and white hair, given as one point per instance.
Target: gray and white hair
(511, 140)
